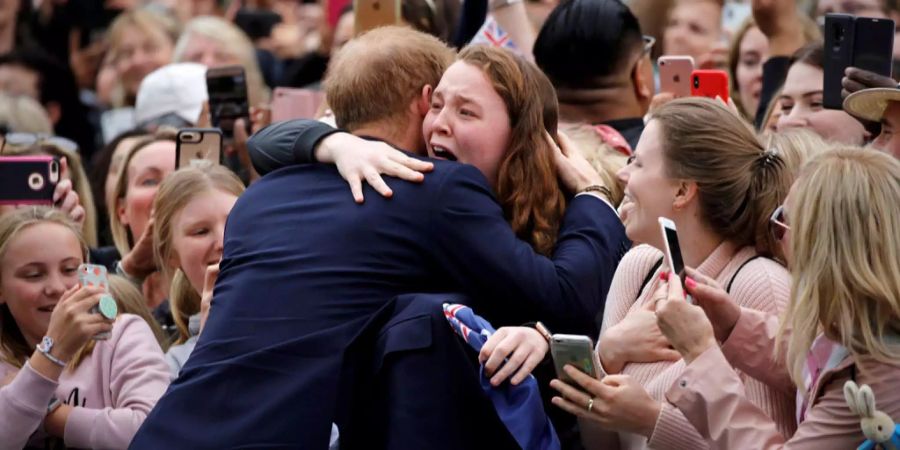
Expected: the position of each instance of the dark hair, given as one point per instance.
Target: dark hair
(56, 84)
(100, 164)
(584, 40)
(812, 54)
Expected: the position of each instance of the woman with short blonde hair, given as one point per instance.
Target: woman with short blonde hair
(215, 42)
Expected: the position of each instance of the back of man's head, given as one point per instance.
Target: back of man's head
(374, 78)
(585, 42)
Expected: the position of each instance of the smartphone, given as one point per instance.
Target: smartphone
(256, 23)
(675, 75)
(94, 275)
(333, 10)
(370, 14)
(28, 180)
(672, 254)
(575, 350)
(861, 42)
(290, 103)
(227, 89)
(710, 83)
(198, 144)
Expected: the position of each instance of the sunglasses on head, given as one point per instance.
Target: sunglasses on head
(777, 224)
(30, 139)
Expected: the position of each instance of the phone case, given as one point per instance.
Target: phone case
(198, 144)
(94, 275)
(710, 83)
(575, 350)
(227, 90)
(873, 45)
(371, 14)
(289, 104)
(675, 75)
(839, 37)
(28, 180)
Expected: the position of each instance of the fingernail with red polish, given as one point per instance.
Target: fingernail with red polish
(690, 283)
(664, 276)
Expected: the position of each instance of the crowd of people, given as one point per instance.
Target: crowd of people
(511, 156)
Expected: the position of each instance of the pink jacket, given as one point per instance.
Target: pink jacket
(112, 390)
(761, 284)
(713, 398)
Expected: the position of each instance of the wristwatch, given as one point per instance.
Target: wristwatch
(44, 348)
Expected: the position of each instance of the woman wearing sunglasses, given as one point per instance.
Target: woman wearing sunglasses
(840, 229)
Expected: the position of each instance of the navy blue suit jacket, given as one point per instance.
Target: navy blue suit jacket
(305, 269)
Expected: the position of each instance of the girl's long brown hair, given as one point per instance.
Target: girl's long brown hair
(527, 186)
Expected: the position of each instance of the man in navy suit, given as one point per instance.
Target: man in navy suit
(305, 269)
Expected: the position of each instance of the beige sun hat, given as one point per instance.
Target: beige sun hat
(870, 104)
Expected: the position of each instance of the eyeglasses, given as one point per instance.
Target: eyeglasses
(649, 42)
(30, 139)
(777, 224)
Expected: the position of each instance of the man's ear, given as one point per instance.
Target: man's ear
(423, 101)
(642, 78)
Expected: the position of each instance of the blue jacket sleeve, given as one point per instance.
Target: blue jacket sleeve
(477, 249)
(287, 143)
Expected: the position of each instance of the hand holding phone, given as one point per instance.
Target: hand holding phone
(575, 350)
(861, 42)
(672, 254)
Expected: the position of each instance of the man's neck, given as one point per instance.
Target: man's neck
(598, 105)
(407, 139)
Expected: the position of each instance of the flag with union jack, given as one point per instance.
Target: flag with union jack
(519, 407)
(492, 34)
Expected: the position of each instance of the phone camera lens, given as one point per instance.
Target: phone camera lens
(696, 82)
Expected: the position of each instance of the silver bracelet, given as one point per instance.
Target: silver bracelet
(52, 358)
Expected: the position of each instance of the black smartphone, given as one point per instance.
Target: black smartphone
(838, 56)
(28, 180)
(227, 89)
(198, 144)
(862, 42)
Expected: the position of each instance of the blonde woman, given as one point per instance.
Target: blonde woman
(215, 42)
(149, 162)
(140, 41)
(56, 381)
(190, 212)
(606, 160)
(840, 227)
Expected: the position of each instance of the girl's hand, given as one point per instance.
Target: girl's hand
(209, 283)
(575, 172)
(64, 196)
(636, 338)
(139, 262)
(358, 159)
(616, 403)
(72, 324)
(513, 350)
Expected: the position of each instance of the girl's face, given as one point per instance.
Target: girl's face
(145, 172)
(649, 192)
(801, 107)
(115, 166)
(40, 263)
(197, 234)
(467, 121)
(753, 51)
(141, 52)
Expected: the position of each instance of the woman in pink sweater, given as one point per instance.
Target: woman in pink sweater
(698, 164)
(841, 230)
(58, 383)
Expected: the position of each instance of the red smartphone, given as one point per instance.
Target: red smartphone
(710, 83)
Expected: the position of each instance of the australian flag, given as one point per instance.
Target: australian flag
(491, 34)
(519, 407)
